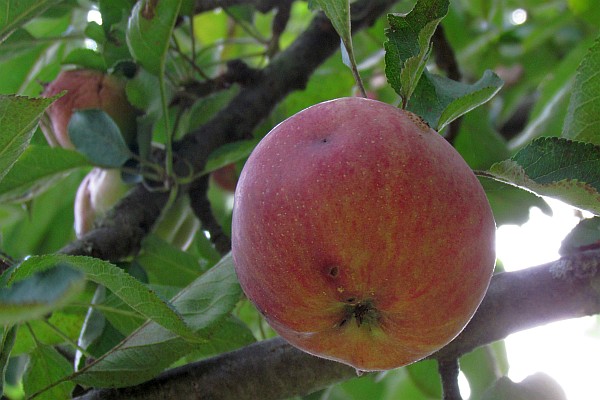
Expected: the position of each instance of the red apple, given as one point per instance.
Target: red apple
(86, 89)
(361, 235)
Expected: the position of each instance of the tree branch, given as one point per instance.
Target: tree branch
(272, 369)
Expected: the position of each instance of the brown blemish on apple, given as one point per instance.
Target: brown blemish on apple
(334, 271)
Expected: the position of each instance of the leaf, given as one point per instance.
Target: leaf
(40, 294)
(556, 167)
(17, 12)
(535, 387)
(149, 32)
(426, 377)
(18, 118)
(228, 154)
(407, 47)
(7, 341)
(96, 135)
(130, 290)
(167, 264)
(152, 348)
(37, 169)
(47, 366)
(583, 116)
(440, 100)
(86, 58)
(586, 235)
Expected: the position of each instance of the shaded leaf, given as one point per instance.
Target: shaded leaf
(583, 116)
(96, 135)
(555, 167)
(535, 387)
(426, 377)
(130, 290)
(152, 348)
(38, 168)
(18, 118)
(440, 100)
(39, 294)
(149, 32)
(46, 366)
(585, 235)
(86, 58)
(7, 341)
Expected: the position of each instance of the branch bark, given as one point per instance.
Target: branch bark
(273, 369)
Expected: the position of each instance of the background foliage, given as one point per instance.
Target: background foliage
(519, 101)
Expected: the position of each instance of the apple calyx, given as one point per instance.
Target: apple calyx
(363, 312)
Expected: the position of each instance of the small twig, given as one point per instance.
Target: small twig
(202, 209)
(445, 59)
(449, 370)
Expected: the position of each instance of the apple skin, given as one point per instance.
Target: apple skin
(361, 235)
(87, 89)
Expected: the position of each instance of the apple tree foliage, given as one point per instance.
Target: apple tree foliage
(143, 292)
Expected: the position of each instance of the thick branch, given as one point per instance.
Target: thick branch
(120, 234)
(272, 369)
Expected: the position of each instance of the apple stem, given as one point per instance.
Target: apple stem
(448, 370)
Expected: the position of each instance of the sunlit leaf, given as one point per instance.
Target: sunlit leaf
(152, 348)
(583, 116)
(149, 32)
(38, 168)
(130, 290)
(18, 118)
(554, 167)
(15, 13)
(47, 366)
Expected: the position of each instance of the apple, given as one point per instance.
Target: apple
(86, 89)
(361, 235)
(225, 177)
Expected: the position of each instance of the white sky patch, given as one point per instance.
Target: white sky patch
(568, 351)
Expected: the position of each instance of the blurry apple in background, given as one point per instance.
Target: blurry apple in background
(225, 177)
(361, 235)
(86, 89)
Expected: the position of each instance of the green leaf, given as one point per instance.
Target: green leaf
(130, 290)
(440, 100)
(68, 323)
(96, 135)
(426, 377)
(167, 264)
(152, 348)
(149, 32)
(228, 154)
(583, 116)
(18, 118)
(584, 236)
(38, 168)
(483, 366)
(555, 167)
(7, 341)
(40, 294)
(408, 47)
(47, 366)
(17, 12)
(86, 58)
